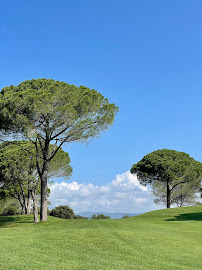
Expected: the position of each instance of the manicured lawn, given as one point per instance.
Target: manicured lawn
(165, 239)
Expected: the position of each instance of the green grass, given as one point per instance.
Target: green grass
(164, 239)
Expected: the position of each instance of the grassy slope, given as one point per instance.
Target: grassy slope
(164, 239)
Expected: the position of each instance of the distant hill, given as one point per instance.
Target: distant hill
(112, 215)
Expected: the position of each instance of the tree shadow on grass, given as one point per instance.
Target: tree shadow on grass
(7, 221)
(187, 217)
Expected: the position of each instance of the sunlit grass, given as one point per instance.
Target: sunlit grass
(164, 239)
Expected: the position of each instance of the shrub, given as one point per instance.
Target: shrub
(48, 212)
(11, 209)
(62, 212)
(79, 217)
(100, 216)
(125, 216)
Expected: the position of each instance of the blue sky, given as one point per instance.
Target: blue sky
(145, 56)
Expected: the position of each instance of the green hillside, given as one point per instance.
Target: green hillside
(164, 239)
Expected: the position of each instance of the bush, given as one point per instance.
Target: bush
(11, 209)
(79, 217)
(62, 212)
(48, 212)
(125, 216)
(100, 216)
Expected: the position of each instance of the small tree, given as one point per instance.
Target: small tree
(62, 212)
(11, 209)
(8, 206)
(45, 111)
(17, 174)
(19, 177)
(169, 167)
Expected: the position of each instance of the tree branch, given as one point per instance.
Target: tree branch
(55, 136)
(42, 148)
(54, 152)
(182, 182)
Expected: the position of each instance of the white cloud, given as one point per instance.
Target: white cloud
(124, 194)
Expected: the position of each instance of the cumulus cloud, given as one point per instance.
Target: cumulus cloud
(124, 194)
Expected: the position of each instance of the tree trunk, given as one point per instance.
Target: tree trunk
(35, 206)
(43, 174)
(22, 208)
(29, 199)
(181, 201)
(168, 195)
(44, 185)
(28, 204)
(23, 202)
